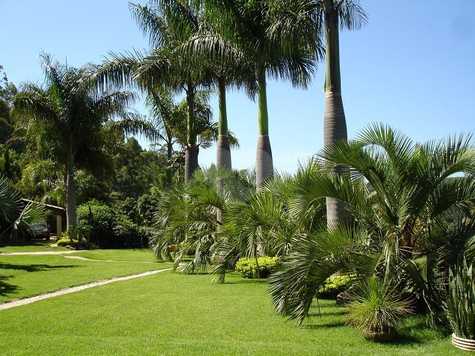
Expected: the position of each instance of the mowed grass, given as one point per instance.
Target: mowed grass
(174, 314)
(40, 246)
(24, 276)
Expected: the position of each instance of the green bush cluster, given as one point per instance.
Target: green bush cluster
(335, 284)
(264, 267)
(106, 227)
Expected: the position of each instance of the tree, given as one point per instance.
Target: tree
(73, 115)
(168, 24)
(15, 216)
(169, 120)
(241, 30)
(319, 22)
(409, 203)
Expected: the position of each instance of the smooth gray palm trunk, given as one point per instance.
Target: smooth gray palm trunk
(223, 151)
(264, 162)
(71, 219)
(191, 149)
(169, 172)
(334, 117)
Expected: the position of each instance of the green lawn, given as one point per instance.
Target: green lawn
(173, 314)
(22, 276)
(132, 255)
(39, 246)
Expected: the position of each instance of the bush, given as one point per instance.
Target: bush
(248, 266)
(106, 227)
(461, 301)
(377, 309)
(65, 241)
(334, 285)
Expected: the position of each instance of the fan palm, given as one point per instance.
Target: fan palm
(319, 21)
(403, 199)
(16, 217)
(73, 115)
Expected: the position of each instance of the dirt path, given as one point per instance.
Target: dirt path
(40, 253)
(58, 293)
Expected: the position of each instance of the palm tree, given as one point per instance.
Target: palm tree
(407, 202)
(15, 216)
(326, 16)
(73, 115)
(166, 119)
(168, 24)
(170, 121)
(241, 30)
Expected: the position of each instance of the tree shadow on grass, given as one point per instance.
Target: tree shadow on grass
(332, 313)
(6, 288)
(329, 325)
(402, 340)
(34, 267)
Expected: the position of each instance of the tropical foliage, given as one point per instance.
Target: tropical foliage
(380, 222)
(461, 300)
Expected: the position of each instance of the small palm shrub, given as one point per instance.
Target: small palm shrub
(461, 300)
(376, 309)
(262, 268)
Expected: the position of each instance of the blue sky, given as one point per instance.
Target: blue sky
(411, 67)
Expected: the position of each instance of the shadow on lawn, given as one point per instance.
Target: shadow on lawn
(24, 243)
(325, 313)
(333, 324)
(6, 288)
(33, 268)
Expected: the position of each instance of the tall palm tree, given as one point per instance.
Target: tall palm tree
(170, 121)
(73, 115)
(326, 16)
(242, 31)
(168, 24)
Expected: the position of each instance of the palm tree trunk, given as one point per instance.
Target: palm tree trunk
(223, 152)
(334, 117)
(191, 150)
(70, 194)
(264, 164)
(169, 172)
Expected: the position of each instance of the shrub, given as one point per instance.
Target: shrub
(96, 223)
(106, 227)
(335, 284)
(65, 241)
(249, 268)
(461, 300)
(377, 309)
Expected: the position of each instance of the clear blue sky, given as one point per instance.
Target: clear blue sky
(412, 67)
